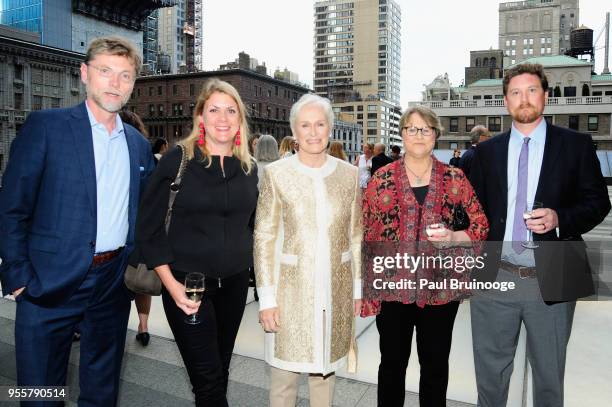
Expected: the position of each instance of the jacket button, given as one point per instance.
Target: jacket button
(502, 220)
(92, 243)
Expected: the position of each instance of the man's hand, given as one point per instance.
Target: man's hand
(18, 291)
(270, 319)
(542, 220)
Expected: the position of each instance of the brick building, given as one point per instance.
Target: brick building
(166, 102)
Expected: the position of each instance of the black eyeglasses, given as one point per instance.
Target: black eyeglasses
(425, 131)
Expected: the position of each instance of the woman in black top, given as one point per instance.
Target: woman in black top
(211, 232)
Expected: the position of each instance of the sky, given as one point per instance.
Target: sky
(437, 36)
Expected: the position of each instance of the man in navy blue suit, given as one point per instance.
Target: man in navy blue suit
(67, 214)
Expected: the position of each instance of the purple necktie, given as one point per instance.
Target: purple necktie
(519, 230)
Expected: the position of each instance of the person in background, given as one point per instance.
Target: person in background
(400, 202)
(379, 158)
(454, 161)
(396, 152)
(143, 301)
(159, 148)
(265, 154)
(336, 149)
(309, 283)
(211, 232)
(286, 148)
(67, 215)
(364, 163)
(253, 140)
(478, 134)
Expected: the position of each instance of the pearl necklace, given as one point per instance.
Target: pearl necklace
(418, 179)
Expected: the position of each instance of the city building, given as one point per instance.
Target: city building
(181, 35)
(286, 75)
(578, 99)
(487, 64)
(166, 102)
(357, 62)
(150, 47)
(349, 134)
(33, 77)
(533, 28)
(73, 24)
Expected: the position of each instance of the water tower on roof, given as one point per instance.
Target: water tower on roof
(581, 44)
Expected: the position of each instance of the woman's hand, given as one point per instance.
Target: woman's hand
(177, 291)
(270, 319)
(358, 303)
(440, 238)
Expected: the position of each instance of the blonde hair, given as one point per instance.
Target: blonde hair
(337, 150)
(286, 145)
(190, 142)
(114, 46)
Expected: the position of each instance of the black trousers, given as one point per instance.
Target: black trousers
(207, 348)
(434, 328)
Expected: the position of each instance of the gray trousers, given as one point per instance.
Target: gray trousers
(496, 323)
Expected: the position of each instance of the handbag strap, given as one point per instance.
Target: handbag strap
(175, 186)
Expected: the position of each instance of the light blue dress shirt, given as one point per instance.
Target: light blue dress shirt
(536, 155)
(112, 184)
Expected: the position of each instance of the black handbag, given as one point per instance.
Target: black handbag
(461, 220)
(140, 279)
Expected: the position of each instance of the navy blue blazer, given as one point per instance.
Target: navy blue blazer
(571, 183)
(48, 203)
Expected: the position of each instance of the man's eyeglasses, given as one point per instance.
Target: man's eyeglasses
(106, 72)
(425, 131)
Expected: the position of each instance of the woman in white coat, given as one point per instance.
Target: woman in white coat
(307, 259)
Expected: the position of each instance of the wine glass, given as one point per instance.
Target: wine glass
(527, 214)
(194, 289)
(434, 225)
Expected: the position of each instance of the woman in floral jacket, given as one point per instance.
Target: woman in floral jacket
(422, 208)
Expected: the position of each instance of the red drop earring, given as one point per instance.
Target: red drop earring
(238, 137)
(202, 134)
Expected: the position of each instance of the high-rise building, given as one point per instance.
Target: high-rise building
(357, 62)
(181, 35)
(534, 28)
(73, 24)
(150, 48)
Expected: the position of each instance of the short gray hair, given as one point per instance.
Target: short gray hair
(307, 99)
(266, 149)
(477, 132)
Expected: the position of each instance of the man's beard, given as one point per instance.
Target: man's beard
(526, 114)
(111, 107)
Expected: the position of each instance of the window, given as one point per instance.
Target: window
(371, 116)
(573, 122)
(593, 123)
(174, 90)
(371, 108)
(507, 43)
(150, 91)
(192, 90)
(36, 102)
(151, 110)
(159, 90)
(513, 43)
(569, 91)
(495, 124)
(160, 110)
(470, 122)
(454, 125)
(530, 41)
(18, 101)
(371, 123)
(542, 51)
(524, 41)
(597, 93)
(542, 40)
(19, 72)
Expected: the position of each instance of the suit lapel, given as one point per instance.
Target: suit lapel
(83, 142)
(552, 148)
(130, 138)
(501, 159)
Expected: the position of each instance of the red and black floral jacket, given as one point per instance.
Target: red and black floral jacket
(391, 213)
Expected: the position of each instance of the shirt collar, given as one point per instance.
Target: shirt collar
(93, 122)
(538, 134)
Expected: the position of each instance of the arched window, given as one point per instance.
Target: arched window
(493, 62)
(485, 62)
(585, 90)
(477, 61)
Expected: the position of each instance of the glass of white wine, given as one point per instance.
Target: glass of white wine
(528, 214)
(194, 289)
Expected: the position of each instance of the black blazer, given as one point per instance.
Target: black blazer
(380, 161)
(211, 230)
(572, 184)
